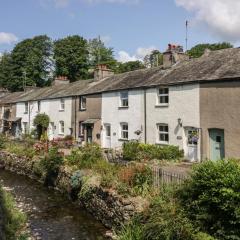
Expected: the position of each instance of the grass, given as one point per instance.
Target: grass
(14, 221)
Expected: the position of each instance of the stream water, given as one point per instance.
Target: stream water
(50, 215)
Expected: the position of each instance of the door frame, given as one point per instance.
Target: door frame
(209, 142)
(187, 129)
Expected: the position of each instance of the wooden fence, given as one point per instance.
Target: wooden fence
(162, 176)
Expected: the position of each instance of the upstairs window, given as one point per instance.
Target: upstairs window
(123, 99)
(61, 127)
(82, 103)
(124, 131)
(62, 104)
(163, 133)
(39, 106)
(26, 107)
(163, 96)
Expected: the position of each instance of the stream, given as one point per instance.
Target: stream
(50, 215)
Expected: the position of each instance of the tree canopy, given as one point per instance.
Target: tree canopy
(198, 50)
(129, 66)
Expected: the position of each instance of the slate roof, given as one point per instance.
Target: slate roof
(212, 66)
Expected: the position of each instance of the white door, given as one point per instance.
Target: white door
(192, 144)
(107, 136)
(51, 131)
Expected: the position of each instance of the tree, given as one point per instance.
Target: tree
(198, 50)
(41, 122)
(71, 57)
(129, 66)
(154, 59)
(100, 54)
(29, 62)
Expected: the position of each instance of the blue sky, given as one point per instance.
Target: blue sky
(131, 27)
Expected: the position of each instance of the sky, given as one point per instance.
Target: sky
(132, 27)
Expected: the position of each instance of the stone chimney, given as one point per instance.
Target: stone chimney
(174, 54)
(102, 71)
(60, 80)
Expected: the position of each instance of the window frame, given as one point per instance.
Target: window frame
(162, 95)
(62, 104)
(61, 127)
(26, 108)
(80, 129)
(108, 130)
(162, 132)
(122, 131)
(122, 99)
(38, 106)
(25, 127)
(81, 107)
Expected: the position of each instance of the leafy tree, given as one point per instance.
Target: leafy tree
(71, 57)
(41, 122)
(129, 66)
(198, 50)
(154, 59)
(29, 62)
(100, 54)
(5, 70)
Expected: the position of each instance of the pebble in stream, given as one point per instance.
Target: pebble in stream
(50, 216)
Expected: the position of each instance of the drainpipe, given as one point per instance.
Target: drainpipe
(75, 116)
(29, 118)
(145, 115)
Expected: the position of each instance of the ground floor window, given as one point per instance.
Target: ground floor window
(61, 127)
(163, 133)
(25, 126)
(124, 131)
(80, 129)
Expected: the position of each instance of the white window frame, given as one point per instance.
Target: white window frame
(162, 132)
(122, 131)
(25, 127)
(61, 127)
(26, 107)
(124, 101)
(62, 104)
(162, 95)
(81, 129)
(108, 130)
(81, 103)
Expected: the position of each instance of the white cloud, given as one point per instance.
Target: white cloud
(221, 16)
(7, 38)
(106, 39)
(141, 52)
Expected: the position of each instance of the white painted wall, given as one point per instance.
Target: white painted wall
(112, 114)
(51, 107)
(184, 104)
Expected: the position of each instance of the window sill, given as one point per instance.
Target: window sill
(162, 143)
(123, 140)
(123, 107)
(61, 134)
(61, 110)
(82, 110)
(162, 105)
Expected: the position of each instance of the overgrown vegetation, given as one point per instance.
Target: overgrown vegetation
(13, 220)
(134, 150)
(41, 122)
(205, 207)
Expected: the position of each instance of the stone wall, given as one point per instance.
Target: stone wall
(105, 205)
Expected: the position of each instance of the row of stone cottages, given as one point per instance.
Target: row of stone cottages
(194, 104)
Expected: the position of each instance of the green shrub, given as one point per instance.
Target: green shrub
(21, 150)
(52, 161)
(212, 198)
(134, 150)
(13, 220)
(130, 150)
(2, 141)
(86, 156)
